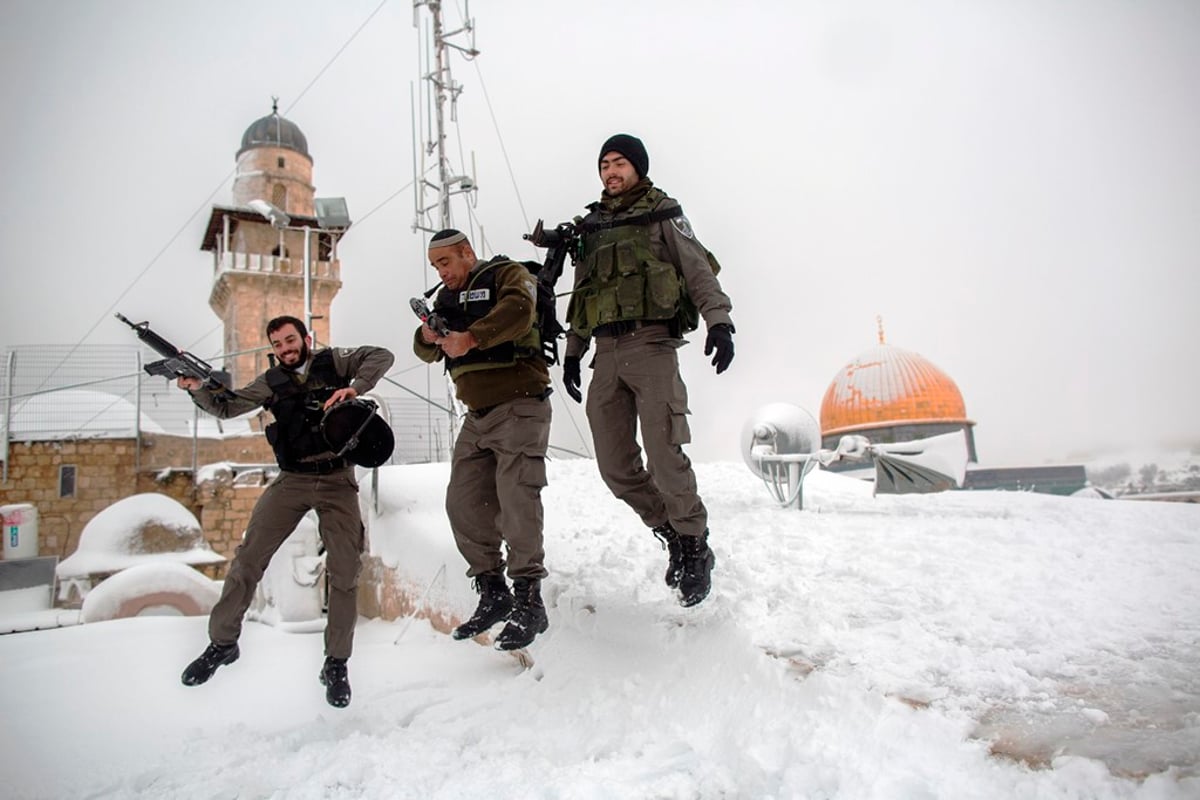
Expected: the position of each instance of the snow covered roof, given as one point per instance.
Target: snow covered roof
(89, 414)
(75, 414)
(137, 529)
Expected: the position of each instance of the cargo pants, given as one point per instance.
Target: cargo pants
(494, 498)
(635, 381)
(276, 514)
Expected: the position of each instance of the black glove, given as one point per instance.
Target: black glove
(720, 338)
(571, 378)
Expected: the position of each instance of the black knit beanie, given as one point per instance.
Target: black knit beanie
(629, 146)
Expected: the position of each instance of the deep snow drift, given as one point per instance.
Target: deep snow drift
(865, 647)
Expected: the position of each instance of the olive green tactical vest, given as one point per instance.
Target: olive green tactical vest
(623, 280)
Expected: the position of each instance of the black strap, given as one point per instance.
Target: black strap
(649, 218)
(315, 467)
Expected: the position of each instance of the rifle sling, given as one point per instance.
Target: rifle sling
(649, 218)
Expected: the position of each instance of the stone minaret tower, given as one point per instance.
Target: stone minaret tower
(258, 268)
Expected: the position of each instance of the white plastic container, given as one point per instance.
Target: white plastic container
(20, 531)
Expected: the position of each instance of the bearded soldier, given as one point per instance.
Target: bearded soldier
(642, 281)
(297, 392)
(493, 353)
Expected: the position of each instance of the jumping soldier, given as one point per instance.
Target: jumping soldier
(297, 392)
(494, 356)
(642, 281)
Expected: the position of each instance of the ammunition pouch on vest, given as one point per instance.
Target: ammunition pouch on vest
(461, 308)
(298, 408)
(623, 279)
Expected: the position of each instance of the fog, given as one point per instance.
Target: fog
(1014, 188)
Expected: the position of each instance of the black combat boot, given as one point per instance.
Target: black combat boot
(670, 542)
(495, 603)
(336, 681)
(696, 577)
(215, 655)
(528, 617)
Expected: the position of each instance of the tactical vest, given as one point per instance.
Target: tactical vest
(622, 278)
(299, 407)
(462, 307)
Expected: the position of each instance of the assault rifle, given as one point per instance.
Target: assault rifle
(561, 240)
(434, 321)
(177, 363)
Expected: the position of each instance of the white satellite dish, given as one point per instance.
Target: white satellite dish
(779, 443)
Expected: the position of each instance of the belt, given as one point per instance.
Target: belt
(315, 467)
(483, 412)
(625, 326)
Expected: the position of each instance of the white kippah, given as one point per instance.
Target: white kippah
(449, 240)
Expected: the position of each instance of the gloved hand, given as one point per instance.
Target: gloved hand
(720, 338)
(572, 378)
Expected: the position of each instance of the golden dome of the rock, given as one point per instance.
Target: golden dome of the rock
(888, 386)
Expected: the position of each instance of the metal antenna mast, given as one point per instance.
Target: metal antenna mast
(438, 89)
(441, 89)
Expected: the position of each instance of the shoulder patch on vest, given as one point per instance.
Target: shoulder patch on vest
(683, 226)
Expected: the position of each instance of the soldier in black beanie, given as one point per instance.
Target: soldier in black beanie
(632, 148)
(642, 282)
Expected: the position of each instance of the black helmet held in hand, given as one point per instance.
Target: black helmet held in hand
(354, 430)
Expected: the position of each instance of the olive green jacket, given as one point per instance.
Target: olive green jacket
(513, 316)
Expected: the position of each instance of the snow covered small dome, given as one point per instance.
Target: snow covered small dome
(137, 529)
(885, 386)
(274, 131)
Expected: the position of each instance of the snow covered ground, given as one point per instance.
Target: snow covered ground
(961, 645)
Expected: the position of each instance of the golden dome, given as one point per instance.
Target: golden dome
(886, 386)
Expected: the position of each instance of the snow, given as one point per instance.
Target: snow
(865, 647)
(149, 579)
(884, 375)
(116, 537)
(21, 601)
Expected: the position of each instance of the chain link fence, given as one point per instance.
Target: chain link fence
(55, 392)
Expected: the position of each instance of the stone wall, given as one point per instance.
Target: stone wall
(222, 502)
(106, 470)
(383, 594)
(225, 502)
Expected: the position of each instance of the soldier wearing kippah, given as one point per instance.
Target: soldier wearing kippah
(493, 353)
(642, 281)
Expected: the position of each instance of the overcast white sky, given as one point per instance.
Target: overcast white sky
(1013, 186)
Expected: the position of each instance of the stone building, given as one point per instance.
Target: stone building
(892, 395)
(73, 453)
(259, 261)
(889, 394)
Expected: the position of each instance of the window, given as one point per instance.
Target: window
(66, 480)
(280, 162)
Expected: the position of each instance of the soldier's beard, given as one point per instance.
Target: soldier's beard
(298, 362)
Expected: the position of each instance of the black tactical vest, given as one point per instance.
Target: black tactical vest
(462, 307)
(298, 409)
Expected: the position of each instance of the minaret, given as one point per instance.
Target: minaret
(258, 266)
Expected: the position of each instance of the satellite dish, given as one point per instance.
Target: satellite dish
(778, 429)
